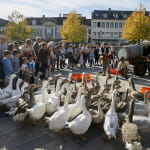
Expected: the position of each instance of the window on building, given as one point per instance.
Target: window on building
(57, 32)
(98, 34)
(115, 15)
(120, 24)
(105, 15)
(107, 34)
(33, 22)
(103, 34)
(89, 31)
(115, 34)
(103, 24)
(111, 34)
(116, 24)
(107, 24)
(94, 33)
(120, 34)
(48, 32)
(111, 25)
(96, 14)
(124, 16)
(94, 24)
(99, 24)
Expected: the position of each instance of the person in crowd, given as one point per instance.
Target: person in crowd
(96, 55)
(27, 49)
(123, 67)
(91, 56)
(37, 45)
(15, 61)
(58, 56)
(43, 60)
(70, 56)
(148, 64)
(52, 57)
(105, 56)
(113, 58)
(62, 57)
(81, 59)
(3, 45)
(85, 54)
(7, 65)
(11, 48)
(25, 71)
(31, 66)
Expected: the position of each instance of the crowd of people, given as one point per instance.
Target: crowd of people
(28, 58)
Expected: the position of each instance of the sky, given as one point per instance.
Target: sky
(52, 8)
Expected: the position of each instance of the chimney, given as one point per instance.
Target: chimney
(109, 9)
(43, 16)
(59, 14)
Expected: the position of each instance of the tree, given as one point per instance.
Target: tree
(137, 27)
(73, 30)
(17, 28)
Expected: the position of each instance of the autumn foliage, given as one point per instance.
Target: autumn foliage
(17, 28)
(137, 27)
(73, 30)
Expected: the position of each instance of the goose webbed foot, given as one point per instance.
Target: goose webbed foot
(83, 138)
(106, 138)
(60, 132)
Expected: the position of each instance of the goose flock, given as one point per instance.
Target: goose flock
(72, 105)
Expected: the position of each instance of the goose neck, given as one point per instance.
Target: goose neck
(112, 107)
(131, 111)
(66, 101)
(10, 81)
(79, 95)
(83, 105)
(132, 84)
(18, 86)
(146, 94)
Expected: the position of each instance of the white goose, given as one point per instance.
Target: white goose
(10, 102)
(6, 92)
(82, 122)
(58, 120)
(9, 87)
(111, 119)
(37, 111)
(76, 108)
(53, 100)
(142, 107)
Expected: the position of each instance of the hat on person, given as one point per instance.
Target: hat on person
(38, 38)
(51, 43)
(28, 40)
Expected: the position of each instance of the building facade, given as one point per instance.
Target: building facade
(49, 27)
(107, 25)
(3, 23)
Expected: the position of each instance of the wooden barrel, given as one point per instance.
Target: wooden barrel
(130, 52)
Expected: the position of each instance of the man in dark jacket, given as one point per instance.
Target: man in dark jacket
(37, 45)
(105, 56)
(43, 59)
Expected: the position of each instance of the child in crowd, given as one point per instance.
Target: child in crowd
(91, 56)
(15, 61)
(31, 66)
(25, 71)
(7, 65)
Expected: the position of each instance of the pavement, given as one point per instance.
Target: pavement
(24, 136)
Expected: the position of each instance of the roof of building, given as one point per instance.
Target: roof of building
(55, 20)
(112, 14)
(3, 22)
